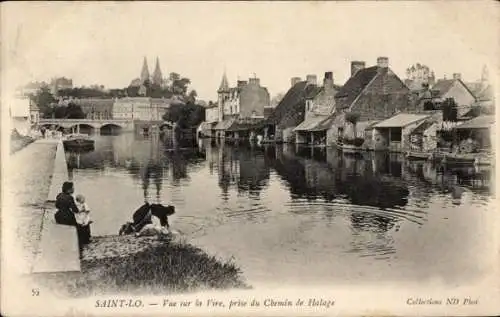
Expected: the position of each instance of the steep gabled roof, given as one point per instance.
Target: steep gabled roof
(444, 85)
(355, 85)
(291, 102)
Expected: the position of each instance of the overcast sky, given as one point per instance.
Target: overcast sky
(104, 43)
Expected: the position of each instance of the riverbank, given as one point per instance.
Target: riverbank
(28, 176)
(145, 265)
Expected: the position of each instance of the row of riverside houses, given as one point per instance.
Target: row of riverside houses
(374, 110)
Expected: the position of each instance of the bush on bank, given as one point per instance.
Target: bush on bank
(160, 267)
(19, 143)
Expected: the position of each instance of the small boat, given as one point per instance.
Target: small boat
(418, 156)
(467, 159)
(78, 142)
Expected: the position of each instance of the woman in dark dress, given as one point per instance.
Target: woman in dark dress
(66, 210)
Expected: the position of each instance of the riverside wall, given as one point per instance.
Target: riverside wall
(59, 174)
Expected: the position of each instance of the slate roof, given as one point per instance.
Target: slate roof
(400, 120)
(310, 123)
(325, 124)
(355, 85)
(422, 127)
(443, 86)
(225, 124)
(481, 122)
(293, 101)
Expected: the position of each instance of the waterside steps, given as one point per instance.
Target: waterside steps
(58, 251)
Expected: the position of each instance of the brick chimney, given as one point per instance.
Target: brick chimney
(328, 81)
(457, 76)
(355, 66)
(254, 81)
(295, 80)
(383, 62)
(312, 79)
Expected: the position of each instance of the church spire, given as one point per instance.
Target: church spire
(157, 75)
(224, 85)
(144, 71)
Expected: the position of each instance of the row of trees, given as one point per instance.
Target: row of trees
(175, 85)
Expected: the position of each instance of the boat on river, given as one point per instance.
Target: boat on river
(418, 156)
(467, 159)
(78, 142)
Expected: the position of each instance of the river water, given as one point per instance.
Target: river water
(294, 216)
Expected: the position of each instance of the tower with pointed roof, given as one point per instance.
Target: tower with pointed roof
(157, 75)
(144, 71)
(223, 95)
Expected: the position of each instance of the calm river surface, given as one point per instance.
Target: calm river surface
(291, 215)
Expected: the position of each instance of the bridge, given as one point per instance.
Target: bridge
(94, 126)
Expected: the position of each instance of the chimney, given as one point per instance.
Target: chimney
(295, 80)
(355, 66)
(457, 76)
(254, 81)
(383, 62)
(241, 83)
(328, 81)
(311, 79)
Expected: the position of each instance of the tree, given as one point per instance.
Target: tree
(59, 112)
(74, 111)
(44, 99)
(353, 118)
(186, 116)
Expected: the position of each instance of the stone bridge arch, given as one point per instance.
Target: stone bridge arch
(111, 128)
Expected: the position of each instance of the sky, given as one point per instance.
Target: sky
(105, 43)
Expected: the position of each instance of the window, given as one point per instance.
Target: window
(395, 134)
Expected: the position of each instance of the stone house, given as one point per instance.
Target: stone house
(453, 88)
(206, 128)
(319, 106)
(394, 133)
(290, 111)
(245, 101)
(375, 93)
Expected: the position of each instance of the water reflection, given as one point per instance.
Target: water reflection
(249, 198)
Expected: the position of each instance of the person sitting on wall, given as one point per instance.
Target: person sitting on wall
(66, 211)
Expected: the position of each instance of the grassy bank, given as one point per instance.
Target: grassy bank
(147, 265)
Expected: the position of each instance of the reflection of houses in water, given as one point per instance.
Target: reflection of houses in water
(211, 154)
(242, 166)
(152, 170)
(350, 177)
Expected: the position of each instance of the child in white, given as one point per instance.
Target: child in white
(82, 217)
